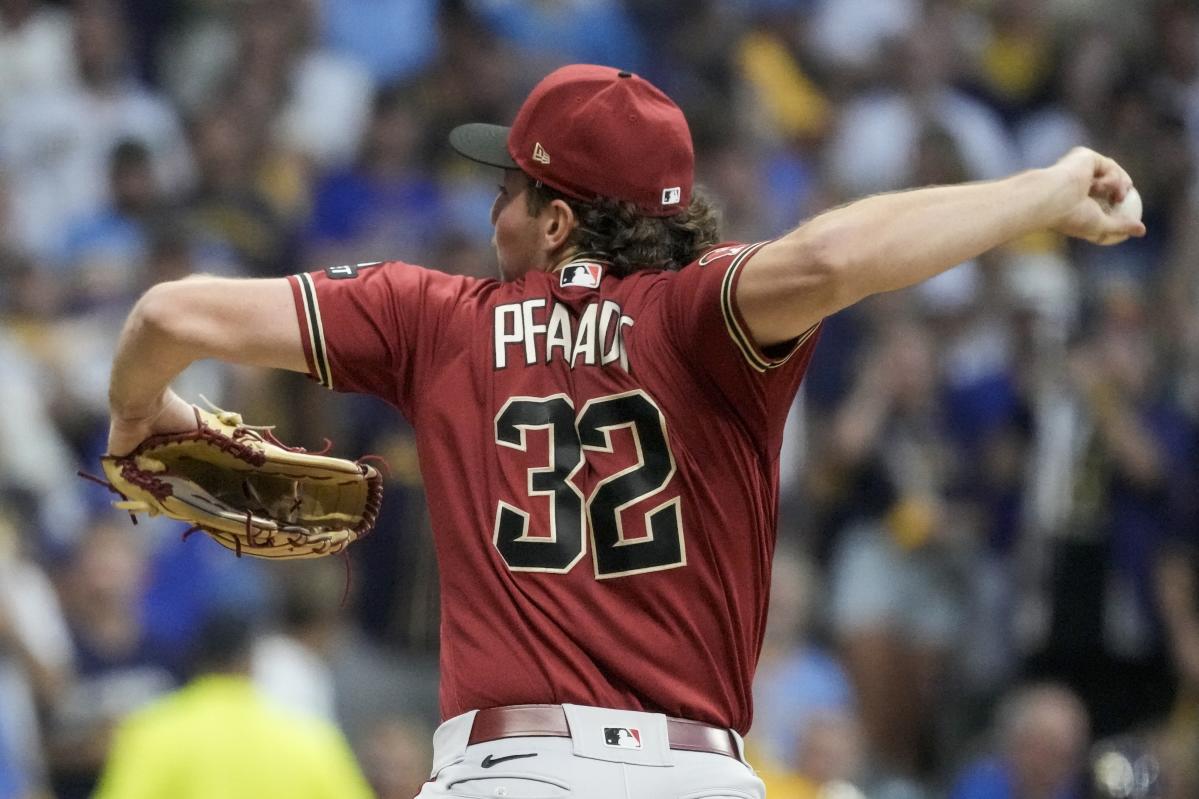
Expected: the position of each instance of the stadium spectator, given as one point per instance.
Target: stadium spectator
(805, 731)
(388, 200)
(217, 736)
(395, 756)
(873, 147)
(290, 662)
(118, 668)
(56, 149)
(897, 597)
(35, 661)
(578, 31)
(1125, 454)
(1040, 745)
(103, 255)
(35, 50)
(394, 39)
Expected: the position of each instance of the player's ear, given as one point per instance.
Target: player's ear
(559, 222)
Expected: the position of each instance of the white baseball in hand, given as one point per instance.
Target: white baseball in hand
(1129, 208)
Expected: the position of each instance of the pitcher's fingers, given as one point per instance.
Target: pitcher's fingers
(1117, 229)
(1111, 182)
(1105, 166)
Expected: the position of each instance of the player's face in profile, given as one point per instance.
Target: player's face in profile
(517, 236)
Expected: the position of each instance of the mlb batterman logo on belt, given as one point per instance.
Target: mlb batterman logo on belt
(623, 737)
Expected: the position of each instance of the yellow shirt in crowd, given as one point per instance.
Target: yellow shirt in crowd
(217, 737)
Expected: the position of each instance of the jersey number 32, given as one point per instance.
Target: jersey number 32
(570, 436)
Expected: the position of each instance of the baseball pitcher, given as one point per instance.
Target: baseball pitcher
(600, 427)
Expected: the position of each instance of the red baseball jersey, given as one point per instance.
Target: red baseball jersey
(600, 455)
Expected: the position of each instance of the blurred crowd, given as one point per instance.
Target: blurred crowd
(987, 584)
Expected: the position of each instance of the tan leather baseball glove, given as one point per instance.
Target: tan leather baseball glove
(247, 490)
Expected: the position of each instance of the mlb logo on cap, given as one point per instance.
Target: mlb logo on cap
(623, 737)
(583, 274)
(672, 196)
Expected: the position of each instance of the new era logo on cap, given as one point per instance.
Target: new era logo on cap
(540, 155)
(623, 737)
(586, 275)
(672, 196)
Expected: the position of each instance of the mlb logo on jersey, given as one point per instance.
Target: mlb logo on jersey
(581, 274)
(623, 737)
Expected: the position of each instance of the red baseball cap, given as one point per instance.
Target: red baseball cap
(590, 132)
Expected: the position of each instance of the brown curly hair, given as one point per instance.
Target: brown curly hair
(620, 234)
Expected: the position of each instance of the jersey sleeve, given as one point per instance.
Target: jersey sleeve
(375, 328)
(711, 336)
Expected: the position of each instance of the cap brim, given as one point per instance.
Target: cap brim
(487, 144)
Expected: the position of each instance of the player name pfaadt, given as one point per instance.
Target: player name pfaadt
(595, 339)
